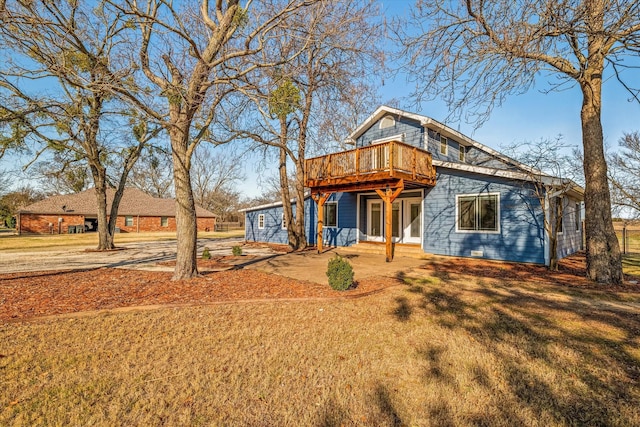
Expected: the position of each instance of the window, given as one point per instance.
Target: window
(260, 221)
(443, 145)
(478, 212)
(164, 221)
(330, 214)
(128, 221)
(577, 216)
(387, 122)
(284, 223)
(462, 152)
(559, 215)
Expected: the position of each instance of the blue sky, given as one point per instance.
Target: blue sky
(533, 116)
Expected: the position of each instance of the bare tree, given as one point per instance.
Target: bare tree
(304, 102)
(153, 173)
(65, 173)
(215, 172)
(551, 179)
(191, 58)
(475, 53)
(624, 174)
(71, 52)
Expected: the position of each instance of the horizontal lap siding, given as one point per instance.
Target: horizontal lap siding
(570, 240)
(346, 233)
(343, 235)
(412, 130)
(272, 231)
(521, 236)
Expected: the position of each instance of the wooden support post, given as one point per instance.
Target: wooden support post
(389, 196)
(320, 199)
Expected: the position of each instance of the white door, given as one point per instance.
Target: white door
(374, 220)
(412, 220)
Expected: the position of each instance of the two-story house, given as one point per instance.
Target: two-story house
(411, 180)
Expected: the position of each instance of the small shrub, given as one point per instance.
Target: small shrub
(206, 254)
(340, 273)
(236, 250)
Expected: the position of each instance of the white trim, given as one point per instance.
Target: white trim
(497, 231)
(547, 236)
(462, 153)
(446, 145)
(307, 194)
(399, 137)
(358, 217)
(389, 116)
(261, 219)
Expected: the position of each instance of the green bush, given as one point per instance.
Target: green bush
(236, 250)
(340, 273)
(206, 254)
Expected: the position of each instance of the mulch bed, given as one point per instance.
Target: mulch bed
(37, 294)
(45, 293)
(571, 272)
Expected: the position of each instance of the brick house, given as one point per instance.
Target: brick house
(138, 212)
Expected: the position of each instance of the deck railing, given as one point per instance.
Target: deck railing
(391, 157)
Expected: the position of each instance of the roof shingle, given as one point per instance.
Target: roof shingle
(134, 202)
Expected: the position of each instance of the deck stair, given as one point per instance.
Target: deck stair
(379, 248)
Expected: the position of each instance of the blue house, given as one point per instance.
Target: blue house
(411, 180)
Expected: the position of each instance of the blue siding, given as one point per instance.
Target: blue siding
(412, 130)
(272, 231)
(521, 236)
(345, 234)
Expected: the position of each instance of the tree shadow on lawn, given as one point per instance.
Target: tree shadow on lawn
(564, 359)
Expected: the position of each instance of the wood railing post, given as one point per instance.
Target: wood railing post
(357, 162)
(391, 159)
(414, 161)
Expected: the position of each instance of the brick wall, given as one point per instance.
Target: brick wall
(153, 223)
(39, 224)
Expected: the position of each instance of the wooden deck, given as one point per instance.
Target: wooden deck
(387, 168)
(373, 167)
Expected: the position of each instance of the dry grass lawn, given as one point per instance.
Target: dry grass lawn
(441, 349)
(13, 243)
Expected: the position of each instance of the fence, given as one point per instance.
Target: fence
(628, 236)
(226, 226)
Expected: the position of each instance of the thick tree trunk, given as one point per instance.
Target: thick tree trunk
(186, 223)
(105, 235)
(300, 209)
(604, 262)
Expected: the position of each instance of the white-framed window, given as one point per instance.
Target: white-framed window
(444, 144)
(461, 155)
(164, 221)
(559, 214)
(128, 221)
(387, 122)
(260, 221)
(330, 214)
(283, 222)
(478, 213)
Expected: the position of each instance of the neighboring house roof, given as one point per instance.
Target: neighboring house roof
(134, 202)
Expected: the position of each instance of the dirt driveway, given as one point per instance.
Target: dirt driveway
(140, 255)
